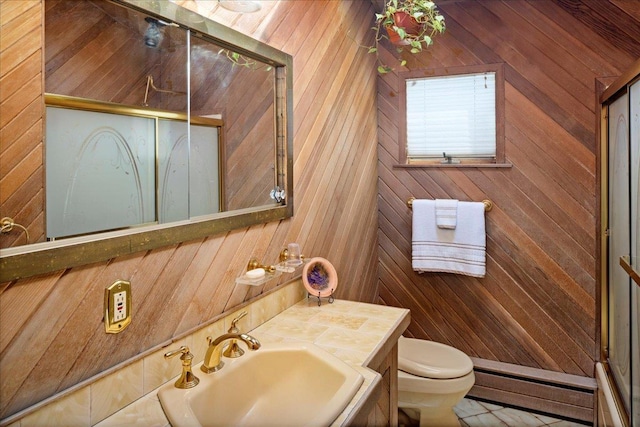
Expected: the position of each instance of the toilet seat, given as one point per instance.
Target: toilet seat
(430, 359)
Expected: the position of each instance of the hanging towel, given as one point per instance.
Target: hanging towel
(446, 213)
(461, 251)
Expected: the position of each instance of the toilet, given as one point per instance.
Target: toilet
(432, 379)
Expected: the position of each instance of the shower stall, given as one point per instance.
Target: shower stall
(621, 244)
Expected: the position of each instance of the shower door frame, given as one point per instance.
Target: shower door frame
(618, 89)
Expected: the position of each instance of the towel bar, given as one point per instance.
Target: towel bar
(488, 204)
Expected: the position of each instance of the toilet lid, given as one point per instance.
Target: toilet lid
(430, 359)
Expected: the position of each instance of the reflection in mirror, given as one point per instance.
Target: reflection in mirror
(171, 67)
(153, 57)
(240, 90)
(110, 167)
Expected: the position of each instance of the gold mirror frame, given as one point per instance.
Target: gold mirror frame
(40, 258)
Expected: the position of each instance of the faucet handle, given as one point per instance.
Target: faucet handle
(184, 350)
(233, 329)
(187, 379)
(234, 350)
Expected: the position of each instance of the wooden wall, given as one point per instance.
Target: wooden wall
(21, 120)
(538, 306)
(51, 331)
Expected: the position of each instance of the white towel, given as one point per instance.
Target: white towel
(446, 213)
(459, 251)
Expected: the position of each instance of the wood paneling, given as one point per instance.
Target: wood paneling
(536, 307)
(51, 331)
(21, 110)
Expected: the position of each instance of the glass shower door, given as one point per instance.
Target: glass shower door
(619, 246)
(634, 146)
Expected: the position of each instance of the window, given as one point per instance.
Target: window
(453, 116)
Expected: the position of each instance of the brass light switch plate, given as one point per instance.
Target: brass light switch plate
(117, 307)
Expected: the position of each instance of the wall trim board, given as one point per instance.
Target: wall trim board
(555, 393)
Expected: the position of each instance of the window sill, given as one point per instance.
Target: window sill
(454, 165)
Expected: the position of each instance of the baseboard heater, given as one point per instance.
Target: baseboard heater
(557, 394)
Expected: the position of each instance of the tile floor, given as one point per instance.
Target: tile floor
(473, 413)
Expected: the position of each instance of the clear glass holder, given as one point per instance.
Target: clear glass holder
(287, 267)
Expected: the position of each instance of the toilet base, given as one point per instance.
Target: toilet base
(433, 409)
(429, 387)
(425, 417)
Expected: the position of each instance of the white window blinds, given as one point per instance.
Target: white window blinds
(455, 115)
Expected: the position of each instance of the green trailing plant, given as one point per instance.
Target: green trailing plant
(409, 24)
(242, 61)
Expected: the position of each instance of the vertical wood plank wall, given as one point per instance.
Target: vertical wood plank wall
(538, 305)
(51, 331)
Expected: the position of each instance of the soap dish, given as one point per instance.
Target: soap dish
(246, 280)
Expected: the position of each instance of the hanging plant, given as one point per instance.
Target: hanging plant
(408, 24)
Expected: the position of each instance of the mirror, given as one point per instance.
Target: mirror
(219, 99)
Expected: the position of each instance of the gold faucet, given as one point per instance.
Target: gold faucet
(187, 379)
(212, 362)
(234, 350)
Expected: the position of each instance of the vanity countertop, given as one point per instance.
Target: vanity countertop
(355, 332)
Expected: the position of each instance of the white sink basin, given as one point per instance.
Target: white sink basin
(284, 384)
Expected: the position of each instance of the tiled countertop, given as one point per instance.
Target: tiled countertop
(354, 332)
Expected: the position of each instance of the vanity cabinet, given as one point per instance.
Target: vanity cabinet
(381, 406)
(384, 409)
(385, 412)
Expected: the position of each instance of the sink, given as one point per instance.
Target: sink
(280, 384)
